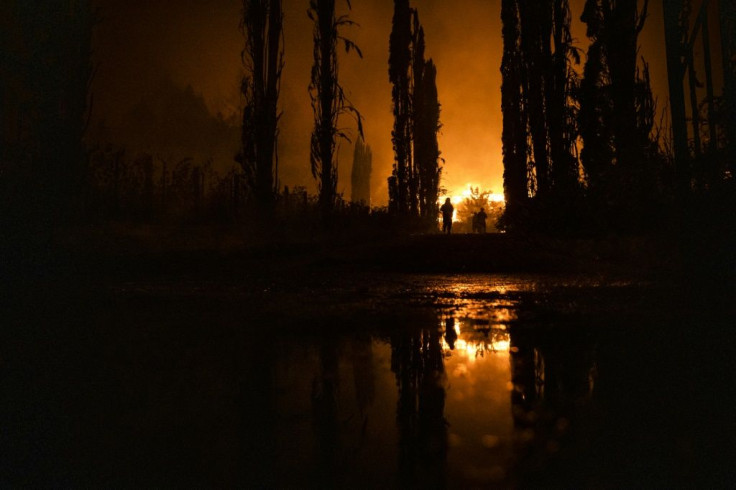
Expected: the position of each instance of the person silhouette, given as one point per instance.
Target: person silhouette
(481, 221)
(447, 210)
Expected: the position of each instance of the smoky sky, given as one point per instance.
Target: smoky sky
(198, 43)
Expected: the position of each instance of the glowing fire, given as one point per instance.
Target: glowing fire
(458, 198)
(470, 349)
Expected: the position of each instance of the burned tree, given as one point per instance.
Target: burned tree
(329, 101)
(361, 175)
(263, 57)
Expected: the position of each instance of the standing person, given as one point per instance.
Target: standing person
(447, 211)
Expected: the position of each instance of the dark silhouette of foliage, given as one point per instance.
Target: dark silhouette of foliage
(361, 175)
(514, 116)
(399, 75)
(536, 32)
(416, 118)
(393, 195)
(418, 366)
(426, 147)
(426, 124)
(263, 57)
(561, 105)
(328, 98)
(595, 110)
(621, 156)
(538, 94)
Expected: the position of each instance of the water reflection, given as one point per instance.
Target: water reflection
(485, 389)
(466, 397)
(418, 365)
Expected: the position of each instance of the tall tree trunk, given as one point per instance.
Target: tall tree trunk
(399, 64)
(617, 114)
(621, 56)
(426, 147)
(328, 100)
(514, 122)
(536, 30)
(562, 120)
(326, 44)
(595, 109)
(263, 57)
(426, 124)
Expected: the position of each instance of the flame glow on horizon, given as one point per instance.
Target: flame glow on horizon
(469, 347)
(457, 198)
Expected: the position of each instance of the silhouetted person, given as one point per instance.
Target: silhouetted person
(479, 221)
(447, 211)
(450, 333)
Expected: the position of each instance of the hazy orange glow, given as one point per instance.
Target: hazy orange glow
(199, 44)
(471, 344)
(457, 198)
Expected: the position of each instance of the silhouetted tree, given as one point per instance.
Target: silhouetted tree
(426, 147)
(561, 105)
(595, 109)
(538, 102)
(514, 116)
(617, 114)
(416, 117)
(426, 124)
(418, 365)
(623, 25)
(361, 175)
(263, 57)
(536, 33)
(393, 195)
(398, 70)
(328, 98)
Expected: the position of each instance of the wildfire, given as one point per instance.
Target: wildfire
(469, 347)
(457, 198)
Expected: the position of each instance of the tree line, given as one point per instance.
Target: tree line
(414, 184)
(582, 148)
(573, 142)
(581, 144)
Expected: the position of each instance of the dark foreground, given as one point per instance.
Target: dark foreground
(306, 369)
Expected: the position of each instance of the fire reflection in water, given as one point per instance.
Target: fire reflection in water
(472, 393)
(471, 397)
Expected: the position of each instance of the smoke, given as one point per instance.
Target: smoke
(197, 43)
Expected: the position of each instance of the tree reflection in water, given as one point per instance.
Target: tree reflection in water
(325, 408)
(547, 379)
(417, 363)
